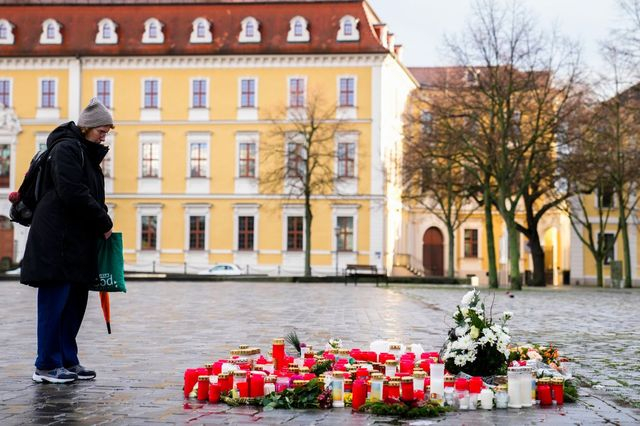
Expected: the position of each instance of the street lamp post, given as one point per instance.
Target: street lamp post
(337, 232)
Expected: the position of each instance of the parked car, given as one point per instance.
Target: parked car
(222, 269)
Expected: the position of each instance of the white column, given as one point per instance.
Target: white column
(75, 82)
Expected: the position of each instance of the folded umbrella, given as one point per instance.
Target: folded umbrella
(106, 309)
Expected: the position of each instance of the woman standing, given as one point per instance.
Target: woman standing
(61, 253)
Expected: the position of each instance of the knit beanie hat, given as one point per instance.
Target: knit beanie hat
(95, 115)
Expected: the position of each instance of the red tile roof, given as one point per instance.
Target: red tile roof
(80, 23)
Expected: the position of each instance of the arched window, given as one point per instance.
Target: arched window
(201, 31)
(51, 32)
(106, 32)
(153, 31)
(6, 32)
(250, 32)
(348, 29)
(298, 32)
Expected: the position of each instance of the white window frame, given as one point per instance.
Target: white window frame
(100, 37)
(292, 210)
(243, 37)
(347, 185)
(108, 180)
(208, 36)
(198, 185)
(344, 257)
(150, 113)
(149, 184)
(10, 39)
(152, 209)
(111, 86)
(10, 80)
(247, 185)
(197, 209)
(146, 37)
(248, 113)
(347, 112)
(48, 112)
(305, 37)
(57, 36)
(199, 113)
(355, 33)
(248, 209)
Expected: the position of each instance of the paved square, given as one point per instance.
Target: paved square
(162, 328)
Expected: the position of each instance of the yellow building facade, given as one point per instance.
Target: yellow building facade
(195, 115)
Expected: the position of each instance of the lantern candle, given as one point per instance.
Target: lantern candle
(393, 389)
(203, 388)
(407, 388)
(190, 379)
(557, 387)
(278, 352)
(513, 377)
(359, 394)
(256, 387)
(390, 368)
(243, 389)
(475, 387)
(525, 386)
(544, 392)
(486, 399)
(269, 385)
(462, 393)
(214, 393)
(437, 382)
(337, 389)
(377, 382)
(502, 397)
(418, 380)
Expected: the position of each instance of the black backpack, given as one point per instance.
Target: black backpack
(31, 190)
(25, 200)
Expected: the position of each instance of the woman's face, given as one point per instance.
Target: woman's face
(97, 134)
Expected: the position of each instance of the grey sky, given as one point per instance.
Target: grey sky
(419, 25)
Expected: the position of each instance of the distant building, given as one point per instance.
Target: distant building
(193, 86)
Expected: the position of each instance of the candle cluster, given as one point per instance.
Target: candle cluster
(387, 372)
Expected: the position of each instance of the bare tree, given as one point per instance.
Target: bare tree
(627, 37)
(519, 82)
(432, 177)
(299, 158)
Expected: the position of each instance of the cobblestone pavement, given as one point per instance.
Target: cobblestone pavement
(162, 328)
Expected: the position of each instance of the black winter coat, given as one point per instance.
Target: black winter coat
(70, 216)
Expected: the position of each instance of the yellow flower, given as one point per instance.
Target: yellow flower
(475, 332)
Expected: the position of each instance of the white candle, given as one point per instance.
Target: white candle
(513, 377)
(486, 399)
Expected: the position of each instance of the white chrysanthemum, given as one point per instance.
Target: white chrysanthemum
(461, 331)
(467, 298)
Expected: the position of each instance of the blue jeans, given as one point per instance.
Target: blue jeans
(60, 312)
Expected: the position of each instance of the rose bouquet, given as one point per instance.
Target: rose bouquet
(476, 345)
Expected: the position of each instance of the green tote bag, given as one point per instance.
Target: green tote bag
(110, 265)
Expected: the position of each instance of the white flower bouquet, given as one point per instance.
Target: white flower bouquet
(476, 345)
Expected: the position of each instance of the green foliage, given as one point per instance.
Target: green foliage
(303, 397)
(321, 367)
(293, 339)
(397, 408)
(570, 391)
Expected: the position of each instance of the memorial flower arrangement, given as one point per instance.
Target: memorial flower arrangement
(476, 345)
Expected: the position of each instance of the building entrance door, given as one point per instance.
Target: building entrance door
(433, 252)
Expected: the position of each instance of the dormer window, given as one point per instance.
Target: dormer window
(107, 32)
(348, 29)
(51, 32)
(6, 32)
(472, 77)
(201, 32)
(153, 31)
(250, 32)
(298, 31)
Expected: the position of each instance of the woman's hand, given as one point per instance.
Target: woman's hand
(108, 234)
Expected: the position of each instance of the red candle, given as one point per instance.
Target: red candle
(419, 395)
(203, 388)
(406, 366)
(544, 392)
(407, 389)
(359, 396)
(190, 379)
(557, 388)
(278, 352)
(243, 389)
(257, 385)
(214, 393)
(217, 367)
(394, 390)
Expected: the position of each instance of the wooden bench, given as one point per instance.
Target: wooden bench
(363, 271)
